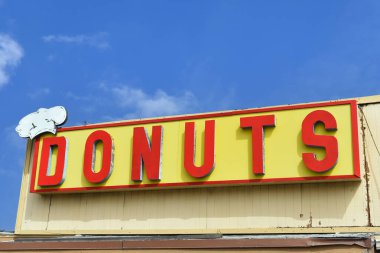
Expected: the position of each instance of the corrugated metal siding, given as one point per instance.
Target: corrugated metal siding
(371, 125)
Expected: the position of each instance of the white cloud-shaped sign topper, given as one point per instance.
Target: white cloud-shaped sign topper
(42, 121)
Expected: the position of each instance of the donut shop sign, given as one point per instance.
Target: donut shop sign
(296, 143)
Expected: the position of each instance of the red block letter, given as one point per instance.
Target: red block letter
(257, 124)
(329, 143)
(44, 177)
(209, 149)
(89, 157)
(149, 154)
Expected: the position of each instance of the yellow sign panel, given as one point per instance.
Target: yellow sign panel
(299, 143)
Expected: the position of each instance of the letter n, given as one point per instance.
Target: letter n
(146, 153)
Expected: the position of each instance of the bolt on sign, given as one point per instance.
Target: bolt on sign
(296, 143)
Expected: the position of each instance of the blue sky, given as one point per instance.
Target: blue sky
(111, 60)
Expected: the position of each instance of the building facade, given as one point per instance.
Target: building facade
(321, 212)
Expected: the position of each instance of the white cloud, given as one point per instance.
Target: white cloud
(39, 93)
(98, 40)
(76, 97)
(158, 104)
(120, 102)
(10, 55)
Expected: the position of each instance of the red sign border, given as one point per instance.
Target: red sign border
(355, 149)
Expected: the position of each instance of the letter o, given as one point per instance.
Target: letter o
(89, 157)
